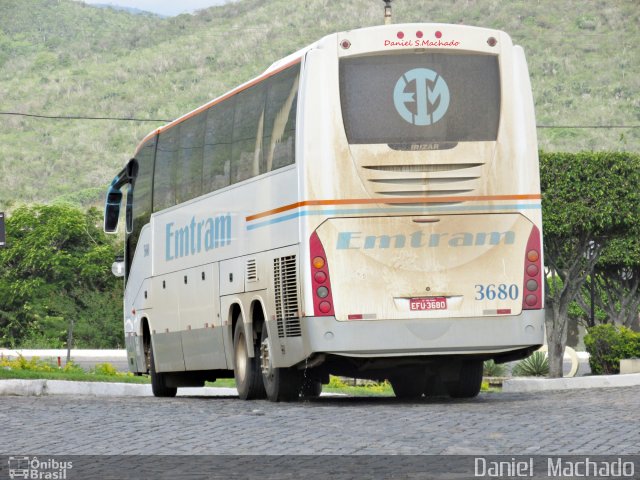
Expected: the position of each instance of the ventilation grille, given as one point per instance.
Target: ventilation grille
(286, 296)
(415, 182)
(438, 167)
(251, 273)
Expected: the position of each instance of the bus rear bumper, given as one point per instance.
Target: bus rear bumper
(420, 337)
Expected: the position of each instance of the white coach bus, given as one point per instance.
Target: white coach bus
(367, 207)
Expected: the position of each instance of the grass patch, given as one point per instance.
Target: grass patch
(35, 369)
(222, 383)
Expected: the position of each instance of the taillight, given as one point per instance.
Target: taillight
(320, 281)
(532, 284)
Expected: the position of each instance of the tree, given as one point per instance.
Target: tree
(589, 200)
(618, 278)
(56, 267)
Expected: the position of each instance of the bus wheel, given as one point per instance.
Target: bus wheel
(247, 371)
(159, 380)
(469, 382)
(409, 385)
(310, 388)
(281, 384)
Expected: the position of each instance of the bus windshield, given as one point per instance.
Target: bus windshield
(420, 98)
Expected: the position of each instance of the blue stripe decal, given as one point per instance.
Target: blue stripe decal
(419, 210)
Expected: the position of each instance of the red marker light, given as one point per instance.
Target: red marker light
(438, 34)
(492, 41)
(400, 35)
(345, 44)
(320, 277)
(419, 34)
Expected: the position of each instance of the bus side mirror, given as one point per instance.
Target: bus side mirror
(129, 210)
(2, 238)
(112, 210)
(117, 268)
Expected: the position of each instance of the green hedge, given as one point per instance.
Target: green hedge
(608, 344)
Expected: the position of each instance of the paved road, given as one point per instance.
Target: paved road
(599, 421)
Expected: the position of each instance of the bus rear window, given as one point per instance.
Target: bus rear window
(420, 98)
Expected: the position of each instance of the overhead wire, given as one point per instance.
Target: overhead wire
(156, 120)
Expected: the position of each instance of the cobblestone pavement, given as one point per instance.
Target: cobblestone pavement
(604, 421)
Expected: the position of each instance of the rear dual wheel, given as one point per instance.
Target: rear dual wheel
(469, 382)
(247, 369)
(412, 384)
(409, 385)
(280, 384)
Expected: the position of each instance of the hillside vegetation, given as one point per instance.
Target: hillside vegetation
(61, 57)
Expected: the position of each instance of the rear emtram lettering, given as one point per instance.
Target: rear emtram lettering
(357, 241)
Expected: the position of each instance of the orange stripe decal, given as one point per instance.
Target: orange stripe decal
(401, 200)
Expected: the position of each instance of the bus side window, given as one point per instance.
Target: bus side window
(141, 187)
(189, 168)
(164, 183)
(280, 120)
(217, 146)
(246, 152)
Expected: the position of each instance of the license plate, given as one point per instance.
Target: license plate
(428, 303)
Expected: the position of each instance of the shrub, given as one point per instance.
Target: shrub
(21, 363)
(71, 367)
(535, 365)
(105, 369)
(492, 369)
(607, 345)
(336, 382)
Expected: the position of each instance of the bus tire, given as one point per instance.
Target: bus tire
(409, 385)
(247, 370)
(310, 388)
(469, 382)
(159, 380)
(280, 384)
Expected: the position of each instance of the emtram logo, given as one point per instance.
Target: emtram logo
(429, 93)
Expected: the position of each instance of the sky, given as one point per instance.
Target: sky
(162, 7)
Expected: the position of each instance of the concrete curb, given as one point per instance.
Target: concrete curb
(529, 384)
(22, 387)
(30, 388)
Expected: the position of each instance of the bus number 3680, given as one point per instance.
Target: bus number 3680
(501, 292)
